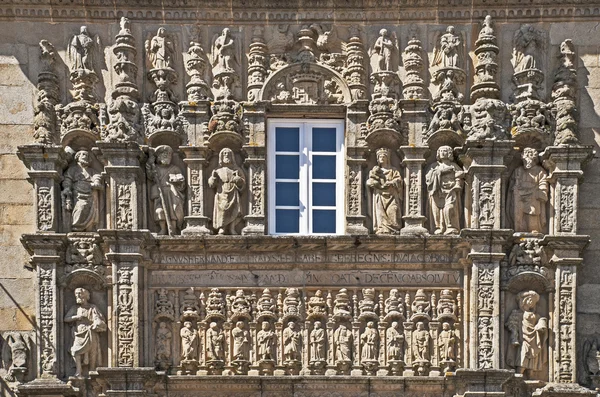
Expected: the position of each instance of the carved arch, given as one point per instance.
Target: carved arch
(306, 84)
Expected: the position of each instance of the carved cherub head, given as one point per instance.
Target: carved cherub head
(530, 157)
(445, 153)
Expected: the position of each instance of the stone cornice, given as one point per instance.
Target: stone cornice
(258, 11)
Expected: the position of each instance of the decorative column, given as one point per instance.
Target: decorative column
(256, 153)
(48, 95)
(125, 251)
(196, 160)
(257, 63)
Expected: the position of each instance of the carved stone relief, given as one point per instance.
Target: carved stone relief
(386, 185)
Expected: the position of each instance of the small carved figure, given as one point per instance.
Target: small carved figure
(370, 342)
(447, 343)
(223, 53)
(421, 305)
(15, 355)
(229, 181)
(160, 50)
(528, 350)
(342, 338)
(395, 342)
(81, 193)
(421, 340)
(529, 187)
(189, 342)
(317, 343)
(241, 342)
(449, 50)
(163, 306)
(167, 191)
(81, 51)
(444, 184)
(386, 183)
(266, 340)
(88, 323)
(487, 30)
(384, 49)
(527, 48)
(163, 345)
(214, 342)
(291, 342)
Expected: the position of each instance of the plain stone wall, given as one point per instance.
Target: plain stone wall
(18, 76)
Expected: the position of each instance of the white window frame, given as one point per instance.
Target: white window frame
(305, 162)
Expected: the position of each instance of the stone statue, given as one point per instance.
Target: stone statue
(214, 343)
(229, 182)
(528, 349)
(81, 188)
(167, 191)
(395, 342)
(189, 342)
(160, 50)
(370, 343)
(449, 50)
(529, 189)
(444, 183)
(16, 356)
(223, 53)
(87, 323)
(291, 342)
(317, 343)
(81, 51)
(447, 343)
(163, 339)
(421, 340)
(386, 183)
(383, 51)
(266, 340)
(342, 339)
(527, 46)
(241, 342)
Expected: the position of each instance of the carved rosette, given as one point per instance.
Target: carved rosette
(564, 97)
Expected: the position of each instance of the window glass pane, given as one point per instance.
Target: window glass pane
(287, 167)
(323, 167)
(323, 194)
(287, 193)
(323, 140)
(287, 139)
(287, 221)
(323, 221)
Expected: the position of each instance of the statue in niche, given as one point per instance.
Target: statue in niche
(317, 343)
(87, 323)
(266, 340)
(223, 53)
(291, 342)
(448, 54)
(167, 192)
(370, 342)
(229, 181)
(342, 338)
(527, 46)
(241, 342)
(386, 183)
(214, 342)
(189, 342)
(421, 340)
(447, 343)
(444, 184)
(384, 50)
(163, 345)
(529, 187)
(160, 50)
(81, 51)
(395, 342)
(81, 188)
(528, 350)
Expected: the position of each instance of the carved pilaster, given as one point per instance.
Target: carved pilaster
(355, 158)
(413, 193)
(45, 165)
(196, 160)
(125, 251)
(256, 178)
(565, 165)
(126, 185)
(47, 254)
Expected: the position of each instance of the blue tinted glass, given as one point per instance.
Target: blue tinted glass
(323, 221)
(323, 194)
(287, 167)
(287, 221)
(287, 193)
(323, 140)
(323, 167)
(287, 139)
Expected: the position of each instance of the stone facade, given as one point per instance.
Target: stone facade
(159, 258)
